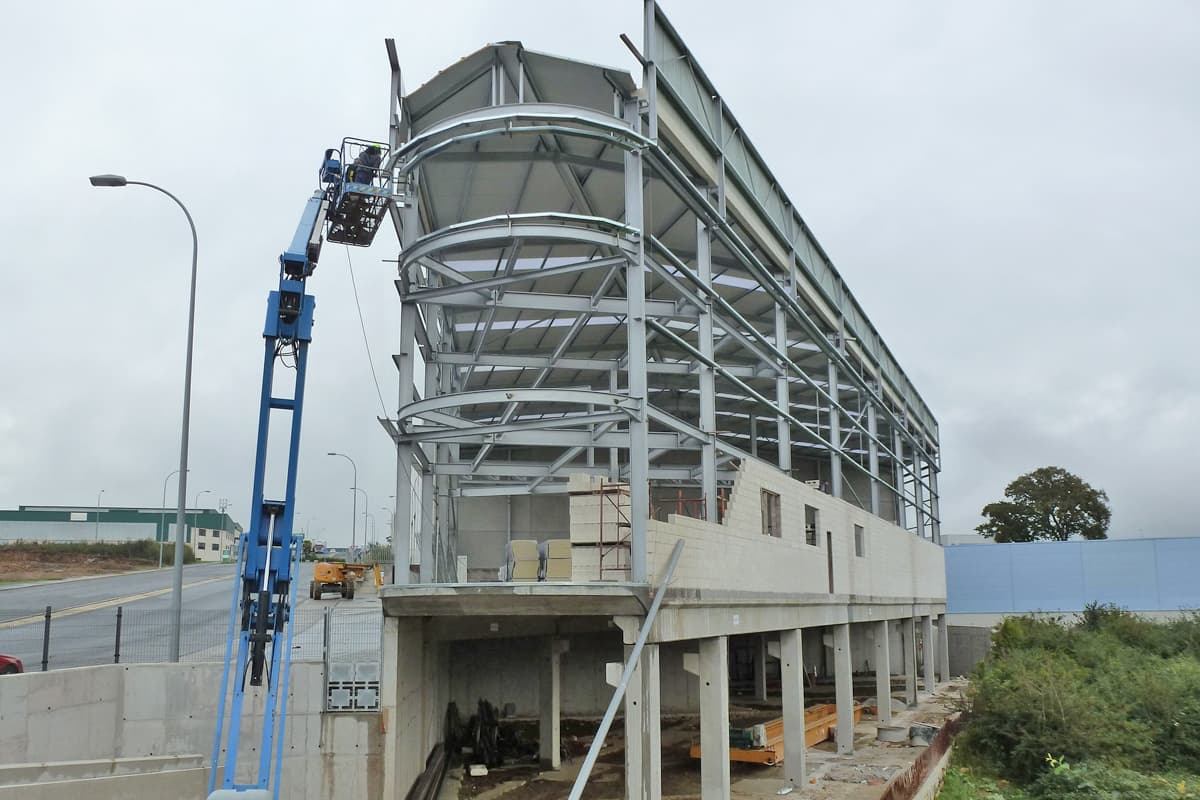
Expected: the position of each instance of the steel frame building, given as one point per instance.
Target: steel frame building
(604, 278)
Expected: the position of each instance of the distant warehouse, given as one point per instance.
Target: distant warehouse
(212, 534)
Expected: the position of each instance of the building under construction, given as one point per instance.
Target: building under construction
(618, 335)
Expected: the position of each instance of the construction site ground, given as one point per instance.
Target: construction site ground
(860, 776)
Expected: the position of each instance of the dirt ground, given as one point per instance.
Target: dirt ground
(831, 777)
(19, 567)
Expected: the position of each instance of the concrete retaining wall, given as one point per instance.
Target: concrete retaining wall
(96, 716)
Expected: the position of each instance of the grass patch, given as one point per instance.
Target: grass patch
(142, 551)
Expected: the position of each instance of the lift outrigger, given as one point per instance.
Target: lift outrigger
(347, 208)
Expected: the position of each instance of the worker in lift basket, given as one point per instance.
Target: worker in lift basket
(364, 168)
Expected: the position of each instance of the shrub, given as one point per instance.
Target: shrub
(1093, 781)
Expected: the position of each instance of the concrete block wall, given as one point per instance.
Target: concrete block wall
(485, 523)
(506, 671)
(135, 711)
(736, 555)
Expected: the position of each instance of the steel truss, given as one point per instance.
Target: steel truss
(581, 299)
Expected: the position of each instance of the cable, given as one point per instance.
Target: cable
(371, 361)
(362, 325)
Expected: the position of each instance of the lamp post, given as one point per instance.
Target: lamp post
(177, 589)
(366, 505)
(164, 516)
(98, 496)
(354, 507)
(196, 505)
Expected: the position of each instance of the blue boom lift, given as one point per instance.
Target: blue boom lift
(350, 202)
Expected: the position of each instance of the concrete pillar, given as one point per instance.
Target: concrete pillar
(760, 668)
(550, 697)
(791, 668)
(405, 698)
(843, 682)
(883, 672)
(927, 653)
(651, 738)
(643, 723)
(943, 648)
(714, 718)
(908, 632)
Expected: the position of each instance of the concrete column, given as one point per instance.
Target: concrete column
(943, 648)
(708, 394)
(635, 335)
(714, 718)
(634, 694)
(843, 682)
(835, 433)
(651, 735)
(791, 668)
(760, 668)
(405, 698)
(883, 672)
(782, 393)
(927, 653)
(550, 696)
(908, 633)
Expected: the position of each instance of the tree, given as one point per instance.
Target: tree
(306, 551)
(1048, 503)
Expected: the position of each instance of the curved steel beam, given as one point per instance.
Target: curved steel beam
(539, 118)
(566, 228)
(630, 405)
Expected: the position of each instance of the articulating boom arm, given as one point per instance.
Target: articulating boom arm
(269, 554)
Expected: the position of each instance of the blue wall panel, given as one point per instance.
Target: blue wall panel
(1048, 577)
(1178, 562)
(1137, 574)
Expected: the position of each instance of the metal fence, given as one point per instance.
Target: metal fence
(47, 639)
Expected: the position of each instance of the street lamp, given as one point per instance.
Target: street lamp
(164, 516)
(177, 589)
(354, 508)
(98, 514)
(196, 505)
(366, 505)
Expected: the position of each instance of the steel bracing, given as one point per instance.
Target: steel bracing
(596, 277)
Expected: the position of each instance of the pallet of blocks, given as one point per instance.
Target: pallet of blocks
(763, 743)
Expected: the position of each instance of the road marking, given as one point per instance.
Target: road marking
(116, 601)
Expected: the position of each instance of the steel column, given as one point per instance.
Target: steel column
(835, 433)
(783, 429)
(635, 287)
(873, 454)
(708, 394)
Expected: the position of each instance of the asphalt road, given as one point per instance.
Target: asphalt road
(83, 624)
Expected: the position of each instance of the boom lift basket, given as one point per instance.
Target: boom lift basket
(361, 198)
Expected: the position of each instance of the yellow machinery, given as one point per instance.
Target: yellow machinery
(335, 576)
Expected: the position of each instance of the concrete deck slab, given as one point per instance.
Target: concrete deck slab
(515, 599)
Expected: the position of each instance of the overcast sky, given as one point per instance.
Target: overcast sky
(1011, 189)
